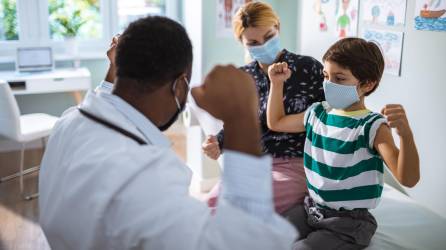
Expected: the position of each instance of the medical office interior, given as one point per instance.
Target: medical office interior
(53, 51)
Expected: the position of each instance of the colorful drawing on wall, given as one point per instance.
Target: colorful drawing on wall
(226, 9)
(391, 44)
(346, 18)
(384, 12)
(430, 15)
(319, 10)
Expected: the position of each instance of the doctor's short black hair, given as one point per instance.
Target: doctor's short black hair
(153, 51)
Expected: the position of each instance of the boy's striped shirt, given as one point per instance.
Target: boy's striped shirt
(342, 167)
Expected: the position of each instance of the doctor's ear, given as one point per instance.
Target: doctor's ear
(181, 84)
(183, 78)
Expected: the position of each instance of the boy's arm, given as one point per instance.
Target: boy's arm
(404, 163)
(275, 113)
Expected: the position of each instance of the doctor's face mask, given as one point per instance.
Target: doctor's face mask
(180, 107)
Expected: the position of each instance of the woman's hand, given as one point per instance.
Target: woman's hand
(278, 73)
(210, 147)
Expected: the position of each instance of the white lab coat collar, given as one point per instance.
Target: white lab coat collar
(118, 112)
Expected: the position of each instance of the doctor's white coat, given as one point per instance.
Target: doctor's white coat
(102, 190)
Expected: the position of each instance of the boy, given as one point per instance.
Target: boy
(346, 146)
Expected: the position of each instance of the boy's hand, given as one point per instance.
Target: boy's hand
(396, 118)
(278, 73)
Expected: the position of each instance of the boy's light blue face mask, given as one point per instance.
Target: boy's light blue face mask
(340, 96)
(267, 52)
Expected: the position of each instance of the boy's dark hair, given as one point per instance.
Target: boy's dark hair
(152, 51)
(364, 59)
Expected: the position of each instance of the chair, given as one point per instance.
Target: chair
(22, 129)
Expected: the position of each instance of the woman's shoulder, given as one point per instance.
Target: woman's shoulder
(301, 59)
(250, 67)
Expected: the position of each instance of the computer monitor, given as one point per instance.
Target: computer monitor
(34, 59)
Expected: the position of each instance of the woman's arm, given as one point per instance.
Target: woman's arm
(317, 70)
(276, 118)
(404, 163)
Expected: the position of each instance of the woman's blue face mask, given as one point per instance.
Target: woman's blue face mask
(267, 52)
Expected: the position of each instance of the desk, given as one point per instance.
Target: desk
(55, 81)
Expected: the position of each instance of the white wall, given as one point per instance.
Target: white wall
(420, 89)
(199, 18)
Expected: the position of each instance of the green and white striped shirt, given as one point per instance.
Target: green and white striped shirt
(342, 167)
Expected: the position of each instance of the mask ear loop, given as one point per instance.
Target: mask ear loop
(174, 86)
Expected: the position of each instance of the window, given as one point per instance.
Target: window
(92, 23)
(75, 18)
(8, 20)
(131, 10)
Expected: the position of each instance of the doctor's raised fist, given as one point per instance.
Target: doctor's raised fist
(228, 94)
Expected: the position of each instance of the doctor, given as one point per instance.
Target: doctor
(110, 180)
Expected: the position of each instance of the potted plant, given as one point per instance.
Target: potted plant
(65, 22)
(8, 17)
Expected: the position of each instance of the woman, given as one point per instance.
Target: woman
(257, 28)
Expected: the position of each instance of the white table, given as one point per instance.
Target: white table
(55, 81)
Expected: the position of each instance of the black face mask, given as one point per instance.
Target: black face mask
(180, 109)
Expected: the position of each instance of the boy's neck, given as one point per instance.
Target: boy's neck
(356, 106)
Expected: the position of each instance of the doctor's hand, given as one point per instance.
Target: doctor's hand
(229, 94)
(111, 54)
(278, 73)
(210, 147)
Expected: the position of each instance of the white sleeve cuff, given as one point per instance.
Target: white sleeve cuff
(247, 183)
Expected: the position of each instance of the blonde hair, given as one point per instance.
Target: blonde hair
(254, 14)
